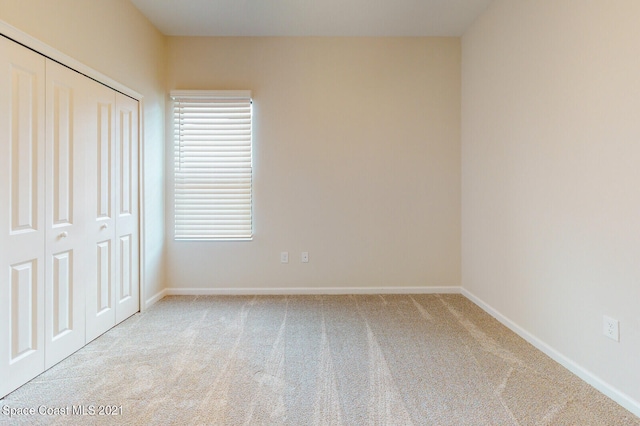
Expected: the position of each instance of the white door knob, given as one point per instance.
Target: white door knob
(104, 226)
(63, 235)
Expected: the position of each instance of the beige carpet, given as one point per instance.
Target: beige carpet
(314, 360)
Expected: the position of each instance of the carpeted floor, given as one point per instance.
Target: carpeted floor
(313, 360)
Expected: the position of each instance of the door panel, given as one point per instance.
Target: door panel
(60, 136)
(66, 136)
(21, 220)
(127, 257)
(104, 148)
(104, 283)
(125, 277)
(24, 304)
(62, 291)
(101, 227)
(24, 150)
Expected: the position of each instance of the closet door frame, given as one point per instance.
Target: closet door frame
(36, 345)
(44, 49)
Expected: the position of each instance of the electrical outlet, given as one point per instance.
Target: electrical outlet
(284, 257)
(304, 257)
(611, 328)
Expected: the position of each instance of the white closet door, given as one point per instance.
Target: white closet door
(22, 231)
(65, 213)
(127, 263)
(101, 205)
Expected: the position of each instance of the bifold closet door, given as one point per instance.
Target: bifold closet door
(101, 208)
(65, 213)
(127, 241)
(113, 292)
(22, 229)
(69, 215)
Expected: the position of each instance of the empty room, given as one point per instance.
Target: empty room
(343, 212)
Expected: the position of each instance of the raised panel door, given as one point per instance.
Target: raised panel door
(66, 137)
(22, 232)
(101, 211)
(127, 240)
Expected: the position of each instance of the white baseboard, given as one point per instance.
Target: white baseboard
(620, 397)
(176, 291)
(155, 298)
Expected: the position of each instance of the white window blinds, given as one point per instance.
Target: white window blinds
(212, 165)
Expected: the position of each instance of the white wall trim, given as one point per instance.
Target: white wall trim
(176, 291)
(620, 397)
(142, 259)
(154, 299)
(48, 51)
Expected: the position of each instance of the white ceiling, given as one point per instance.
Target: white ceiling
(312, 17)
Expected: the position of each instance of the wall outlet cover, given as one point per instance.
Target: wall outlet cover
(611, 328)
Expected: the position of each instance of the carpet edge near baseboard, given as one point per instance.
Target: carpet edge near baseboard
(242, 291)
(601, 385)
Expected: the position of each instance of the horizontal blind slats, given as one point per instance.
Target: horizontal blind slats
(212, 168)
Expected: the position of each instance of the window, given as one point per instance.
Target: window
(213, 165)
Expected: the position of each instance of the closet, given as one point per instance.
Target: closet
(69, 252)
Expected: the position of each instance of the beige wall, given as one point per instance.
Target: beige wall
(550, 176)
(356, 159)
(113, 38)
